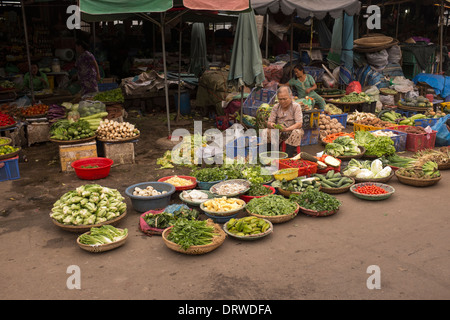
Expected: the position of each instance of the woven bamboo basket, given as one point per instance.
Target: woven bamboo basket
(66, 142)
(373, 41)
(10, 155)
(338, 190)
(315, 213)
(250, 236)
(119, 140)
(8, 141)
(277, 219)
(287, 193)
(197, 250)
(86, 228)
(102, 247)
(416, 182)
(444, 166)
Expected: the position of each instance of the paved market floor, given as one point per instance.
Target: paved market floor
(404, 239)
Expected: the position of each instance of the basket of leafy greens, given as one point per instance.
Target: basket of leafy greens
(316, 203)
(273, 207)
(194, 237)
(103, 238)
(344, 148)
(207, 177)
(154, 222)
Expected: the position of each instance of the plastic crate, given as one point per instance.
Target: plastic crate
(9, 169)
(310, 136)
(363, 127)
(399, 139)
(107, 86)
(406, 113)
(368, 107)
(426, 122)
(307, 168)
(342, 118)
(257, 97)
(311, 118)
(242, 147)
(416, 142)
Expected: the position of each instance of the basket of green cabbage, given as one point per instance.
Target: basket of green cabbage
(88, 206)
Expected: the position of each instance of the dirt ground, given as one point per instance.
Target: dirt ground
(329, 258)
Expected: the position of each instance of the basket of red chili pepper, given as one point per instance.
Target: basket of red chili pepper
(6, 121)
(372, 190)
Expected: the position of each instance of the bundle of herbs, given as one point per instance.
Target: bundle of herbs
(271, 205)
(187, 233)
(316, 200)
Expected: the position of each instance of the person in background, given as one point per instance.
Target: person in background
(287, 117)
(40, 80)
(305, 85)
(87, 69)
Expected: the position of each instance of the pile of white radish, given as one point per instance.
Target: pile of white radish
(114, 130)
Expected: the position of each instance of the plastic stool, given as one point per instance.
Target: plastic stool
(283, 147)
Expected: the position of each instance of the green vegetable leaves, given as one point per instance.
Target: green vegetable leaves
(271, 205)
(316, 200)
(209, 174)
(102, 235)
(375, 146)
(187, 233)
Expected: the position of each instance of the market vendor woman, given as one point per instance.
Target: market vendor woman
(40, 80)
(287, 114)
(305, 85)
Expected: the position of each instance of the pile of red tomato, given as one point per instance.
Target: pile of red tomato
(370, 189)
(36, 109)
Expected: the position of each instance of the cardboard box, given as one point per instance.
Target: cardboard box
(71, 152)
(38, 132)
(119, 152)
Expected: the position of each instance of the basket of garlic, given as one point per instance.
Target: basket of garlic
(143, 196)
(115, 131)
(329, 125)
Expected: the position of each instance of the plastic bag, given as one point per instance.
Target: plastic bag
(394, 54)
(378, 60)
(353, 86)
(442, 135)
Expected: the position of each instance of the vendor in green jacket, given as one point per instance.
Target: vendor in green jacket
(40, 80)
(305, 85)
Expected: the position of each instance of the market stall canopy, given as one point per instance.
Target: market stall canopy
(100, 7)
(307, 8)
(226, 5)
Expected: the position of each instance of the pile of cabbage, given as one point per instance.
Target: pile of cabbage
(367, 169)
(342, 146)
(87, 205)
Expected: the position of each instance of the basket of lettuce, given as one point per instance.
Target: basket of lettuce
(368, 171)
(375, 146)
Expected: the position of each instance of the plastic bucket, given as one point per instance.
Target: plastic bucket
(185, 103)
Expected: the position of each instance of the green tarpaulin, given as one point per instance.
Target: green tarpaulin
(124, 6)
(246, 60)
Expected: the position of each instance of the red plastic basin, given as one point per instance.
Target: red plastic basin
(248, 198)
(102, 171)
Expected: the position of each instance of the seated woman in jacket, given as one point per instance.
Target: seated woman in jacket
(287, 117)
